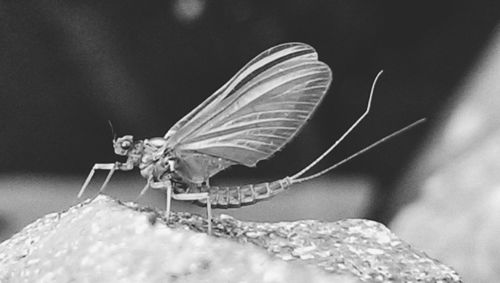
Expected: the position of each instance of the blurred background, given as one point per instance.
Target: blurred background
(66, 67)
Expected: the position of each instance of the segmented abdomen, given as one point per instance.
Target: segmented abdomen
(236, 196)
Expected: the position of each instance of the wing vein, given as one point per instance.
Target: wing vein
(252, 116)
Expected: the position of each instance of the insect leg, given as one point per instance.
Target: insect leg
(106, 181)
(168, 200)
(97, 166)
(209, 215)
(167, 185)
(143, 191)
(198, 197)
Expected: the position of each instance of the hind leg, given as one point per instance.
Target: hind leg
(203, 197)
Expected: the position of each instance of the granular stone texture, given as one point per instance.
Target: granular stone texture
(364, 248)
(103, 240)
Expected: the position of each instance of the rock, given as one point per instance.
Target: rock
(456, 215)
(103, 240)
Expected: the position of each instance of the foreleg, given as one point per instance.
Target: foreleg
(112, 167)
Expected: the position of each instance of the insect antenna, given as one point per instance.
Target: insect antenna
(112, 130)
(337, 142)
(296, 178)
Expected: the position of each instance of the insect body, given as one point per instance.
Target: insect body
(248, 119)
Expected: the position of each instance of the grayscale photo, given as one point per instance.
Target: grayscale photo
(249, 141)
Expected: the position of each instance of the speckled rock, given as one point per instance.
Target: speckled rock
(364, 248)
(102, 240)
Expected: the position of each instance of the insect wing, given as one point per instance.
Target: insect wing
(258, 111)
(199, 167)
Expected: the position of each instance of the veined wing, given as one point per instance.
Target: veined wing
(258, 111)
(196, 115)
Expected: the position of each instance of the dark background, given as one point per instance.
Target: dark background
(66, 67)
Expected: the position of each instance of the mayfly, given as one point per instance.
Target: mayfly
(254, 115)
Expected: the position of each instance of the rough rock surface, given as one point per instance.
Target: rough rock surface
(102, 240)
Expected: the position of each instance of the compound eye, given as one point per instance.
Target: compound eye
(126, 145)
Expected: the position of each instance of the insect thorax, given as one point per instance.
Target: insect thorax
(154, 161)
